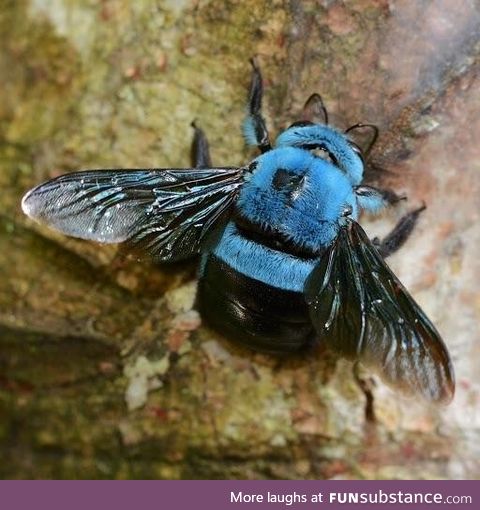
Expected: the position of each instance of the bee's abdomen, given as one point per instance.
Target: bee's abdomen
(261, 316)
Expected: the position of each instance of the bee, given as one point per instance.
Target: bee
(284, 264)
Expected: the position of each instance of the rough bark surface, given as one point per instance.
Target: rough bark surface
(105, 371)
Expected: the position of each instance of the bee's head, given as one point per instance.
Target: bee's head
(327, 143)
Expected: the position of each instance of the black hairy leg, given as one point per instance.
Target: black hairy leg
(366, 385)
(387, 196)
(255, 95)
(200, 151)
(400, 233)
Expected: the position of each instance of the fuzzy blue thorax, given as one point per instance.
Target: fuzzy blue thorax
(333, 141)
(298, 195)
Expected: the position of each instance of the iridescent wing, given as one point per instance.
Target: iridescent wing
(166, 212)
(361, 311)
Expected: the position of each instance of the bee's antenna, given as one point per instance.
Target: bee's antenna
(374, 129)
(314, 110)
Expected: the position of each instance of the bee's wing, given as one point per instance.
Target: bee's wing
(166, 212)
(362, 312)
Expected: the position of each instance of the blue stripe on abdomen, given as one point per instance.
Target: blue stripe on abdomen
(269, 266)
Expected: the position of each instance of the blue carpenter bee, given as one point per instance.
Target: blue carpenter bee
(284, 263)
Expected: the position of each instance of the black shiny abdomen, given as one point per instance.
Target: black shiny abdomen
(258, 315)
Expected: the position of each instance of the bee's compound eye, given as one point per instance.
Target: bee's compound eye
(347, 210)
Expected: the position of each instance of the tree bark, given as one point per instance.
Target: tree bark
(105, 370)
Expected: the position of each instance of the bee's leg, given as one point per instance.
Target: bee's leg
(199, 151)
(366, 385)
(401, 232)
(373, 200)
(254, 127)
